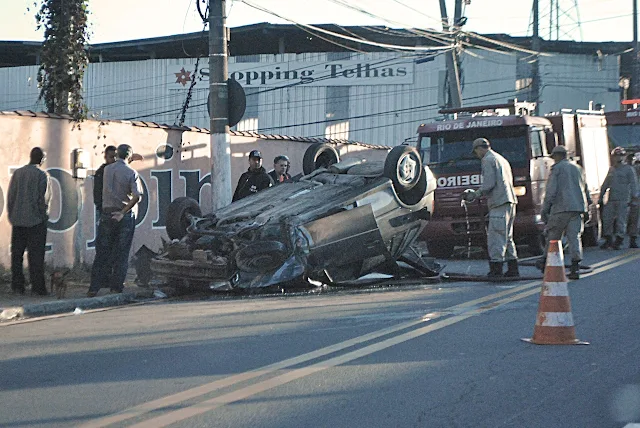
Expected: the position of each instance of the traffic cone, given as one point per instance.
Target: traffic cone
(554, 322)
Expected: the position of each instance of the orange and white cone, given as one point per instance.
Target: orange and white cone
(554, 322)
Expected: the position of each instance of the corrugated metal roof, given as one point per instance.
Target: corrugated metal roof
(250, 134)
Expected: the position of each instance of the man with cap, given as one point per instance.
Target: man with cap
(254, 179)
(28, 202)
(623, 189)
(280, 171)
(566, 200)
(497, 186)
(121, 191)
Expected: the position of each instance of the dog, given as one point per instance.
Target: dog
(58, 283)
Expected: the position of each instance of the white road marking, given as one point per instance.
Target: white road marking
(464, 311)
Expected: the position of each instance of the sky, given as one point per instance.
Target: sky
(116, 20)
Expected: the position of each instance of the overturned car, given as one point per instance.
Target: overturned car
(338, 222)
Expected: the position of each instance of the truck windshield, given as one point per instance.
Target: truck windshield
(451, 151)
(627, 136)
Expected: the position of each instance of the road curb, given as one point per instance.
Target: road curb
(69, 305)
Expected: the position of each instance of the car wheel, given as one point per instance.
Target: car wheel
(179, 216)
(261, 256)
(440, 249)
(404, 167)
(319, 155)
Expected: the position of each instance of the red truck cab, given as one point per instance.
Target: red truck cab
(525, 141)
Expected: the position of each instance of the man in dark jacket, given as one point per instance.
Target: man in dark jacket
(28, 202)
(280, 171)
(254, 179)
(109, 158)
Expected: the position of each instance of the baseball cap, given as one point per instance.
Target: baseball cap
(255, 154)
(480, 142)
(559, 149)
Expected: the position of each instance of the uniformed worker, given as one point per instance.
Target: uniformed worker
(634, 208)
(623, 188)
(254, 179)
(566, 201)
(497, 186)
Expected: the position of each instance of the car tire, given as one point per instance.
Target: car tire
(178, 216)
(261, 256)
(440, 249)
(403, 167)
(319, 155)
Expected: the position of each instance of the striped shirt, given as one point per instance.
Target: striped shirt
(120, 184)
(29, 196)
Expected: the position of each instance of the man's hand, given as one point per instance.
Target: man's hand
(469, 195)
(117, 216)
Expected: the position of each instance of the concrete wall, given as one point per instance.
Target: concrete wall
(71, 228)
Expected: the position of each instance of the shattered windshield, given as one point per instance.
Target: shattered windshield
(451, 151)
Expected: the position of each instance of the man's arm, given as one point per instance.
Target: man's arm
(587, 192)
(44, 192)
(135, 189)
(605, 185)
(634, 184)
(488, 177)
(550, 193)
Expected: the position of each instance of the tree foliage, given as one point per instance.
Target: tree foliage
(63, 59)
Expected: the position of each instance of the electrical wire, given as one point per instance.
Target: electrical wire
(353, 39)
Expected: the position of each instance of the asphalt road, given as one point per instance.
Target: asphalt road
(440, 355)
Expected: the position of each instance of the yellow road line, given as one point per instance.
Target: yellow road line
(523, 291)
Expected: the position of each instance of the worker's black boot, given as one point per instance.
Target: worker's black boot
(495, 270)
(607, 243)
(574, 273)
(633, 243)
(618, 243)
(512, 269)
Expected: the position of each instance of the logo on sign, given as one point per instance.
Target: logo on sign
(460, 180)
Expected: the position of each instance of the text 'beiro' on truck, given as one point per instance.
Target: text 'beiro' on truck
(526, 142)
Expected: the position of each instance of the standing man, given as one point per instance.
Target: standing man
(497, 186)
(121, 191)
(109, 158)
(254, 179)
(280, 171)
(565, 202)
(28, 208)
(623, 188)
(634, 208)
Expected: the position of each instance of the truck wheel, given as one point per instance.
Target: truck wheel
(536, 244)
(591, 236)
(403, 167)
(440, 249)
(179, 216)
(319, 155)
(261, 256)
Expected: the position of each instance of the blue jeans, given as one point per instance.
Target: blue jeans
(113, 243)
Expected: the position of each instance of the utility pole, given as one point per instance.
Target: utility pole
(535, 66)
(219, 106)
(453, 73)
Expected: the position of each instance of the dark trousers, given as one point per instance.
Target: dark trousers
(33, 239)
(113, 243)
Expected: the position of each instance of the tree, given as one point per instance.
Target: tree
(63, 59)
